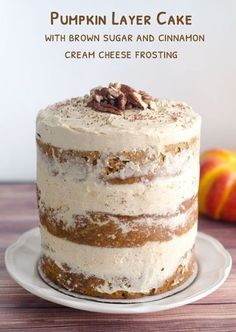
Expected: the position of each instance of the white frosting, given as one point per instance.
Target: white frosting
(142, 266)
(161, 196)
(73, 125)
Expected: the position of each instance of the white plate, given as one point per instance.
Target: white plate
(214, 265)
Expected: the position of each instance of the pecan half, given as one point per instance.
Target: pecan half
(136, 99)
(122, 101)
(102, 107)
(145, 96)
(126, 89)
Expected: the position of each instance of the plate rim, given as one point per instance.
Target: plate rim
(117, 308)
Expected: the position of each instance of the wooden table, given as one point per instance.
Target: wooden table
(20, 310)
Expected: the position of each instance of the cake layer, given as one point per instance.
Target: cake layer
(110, 230)
(124, 167)
(161, 196)
(72, 125)
(139, 269)
(93, 286)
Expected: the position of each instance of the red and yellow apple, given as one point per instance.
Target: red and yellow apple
(217, 190)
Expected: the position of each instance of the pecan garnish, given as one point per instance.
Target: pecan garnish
(145, 96)
(119, 97)
(104, 107)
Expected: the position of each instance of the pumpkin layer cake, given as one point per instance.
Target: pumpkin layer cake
(117, 182)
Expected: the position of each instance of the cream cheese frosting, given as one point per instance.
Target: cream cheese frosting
(74, 125)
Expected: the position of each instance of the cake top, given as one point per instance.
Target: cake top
(119, 106)
(119, 109)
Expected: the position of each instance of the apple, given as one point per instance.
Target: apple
(217, 188)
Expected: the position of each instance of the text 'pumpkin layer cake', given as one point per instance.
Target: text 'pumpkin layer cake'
(117, 182)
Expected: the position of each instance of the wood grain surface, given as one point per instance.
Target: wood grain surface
(22, 311)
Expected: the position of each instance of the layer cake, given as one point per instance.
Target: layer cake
(117, 182)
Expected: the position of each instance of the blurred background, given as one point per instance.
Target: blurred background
(35, 74)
